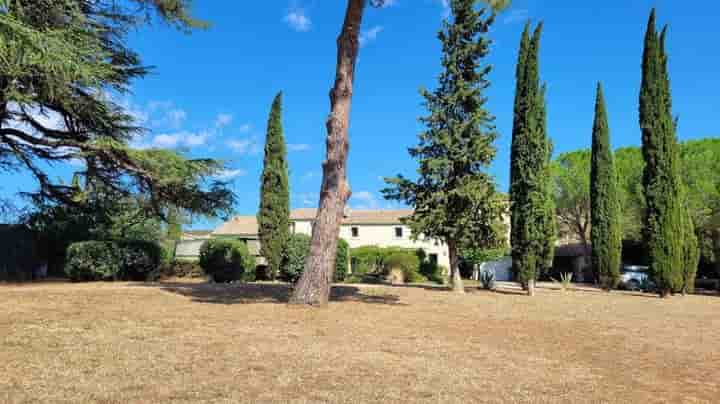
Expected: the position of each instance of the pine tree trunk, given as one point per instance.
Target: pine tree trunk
(456, 282)
(314, 284)
(531, 287)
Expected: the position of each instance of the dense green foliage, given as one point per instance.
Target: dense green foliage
(274, 214)
(700, 162)
(20, 252)
(571, 177)
(690, 253)
(342, 261)
(226, 260)
(112, 260)
(605, 229)
(100, 214)
(532, 206)
(664, 226)
(479, 256)
(454, 196)
(66, 61)
(181, 269)
(408, 262)
(295, 253)
(377, 262)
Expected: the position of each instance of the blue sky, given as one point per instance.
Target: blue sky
(210, 92)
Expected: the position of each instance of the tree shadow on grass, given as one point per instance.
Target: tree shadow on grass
(252, 293)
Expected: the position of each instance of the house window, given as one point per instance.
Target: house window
(433, 258)
(398, 232)
(355, 232)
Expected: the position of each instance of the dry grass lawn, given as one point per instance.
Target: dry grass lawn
(201, 343)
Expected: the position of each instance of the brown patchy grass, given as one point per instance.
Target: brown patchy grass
(200, 343)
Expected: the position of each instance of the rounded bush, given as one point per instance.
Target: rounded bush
(408, 262)
(227, 260)
(138, 259)
(111, 260)
(88, 261)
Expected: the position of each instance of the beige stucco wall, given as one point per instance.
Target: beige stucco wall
(382, 235)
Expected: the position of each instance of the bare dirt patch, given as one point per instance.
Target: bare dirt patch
(201, 343)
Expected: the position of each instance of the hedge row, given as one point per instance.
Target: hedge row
(226, 260)
(112, 260)
(377, 262)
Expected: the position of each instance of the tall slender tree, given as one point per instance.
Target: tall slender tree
(532, 207)
(664, 215)
(549, 218)
(454, 197)
(605, 229)
(274, 214)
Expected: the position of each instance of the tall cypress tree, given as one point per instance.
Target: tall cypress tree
(532, 207)
(691, 252)
(548, 225)
(663, 222)
(274, 214)
(604, 202)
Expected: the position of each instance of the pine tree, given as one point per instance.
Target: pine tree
(454, 197)
(313, 288)
(605, 229)
(174, 219)
(663, 226)
(532, 206)
(64, 59)
(274, 213)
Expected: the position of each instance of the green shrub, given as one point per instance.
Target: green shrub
(294, 254)
(20, 252)
(433, 272)
(296, 251)
(408, 262)
(182, 269)
(138, 259)
(363, 278)
(226, 260)
(168, 251)
(111, 260)
(441, 274)
(366, 259)
(92, 261)
(342, 262)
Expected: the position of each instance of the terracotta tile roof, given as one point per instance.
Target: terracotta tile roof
(247, 225)
(239, 225)
(358, 216)
(196, 234)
